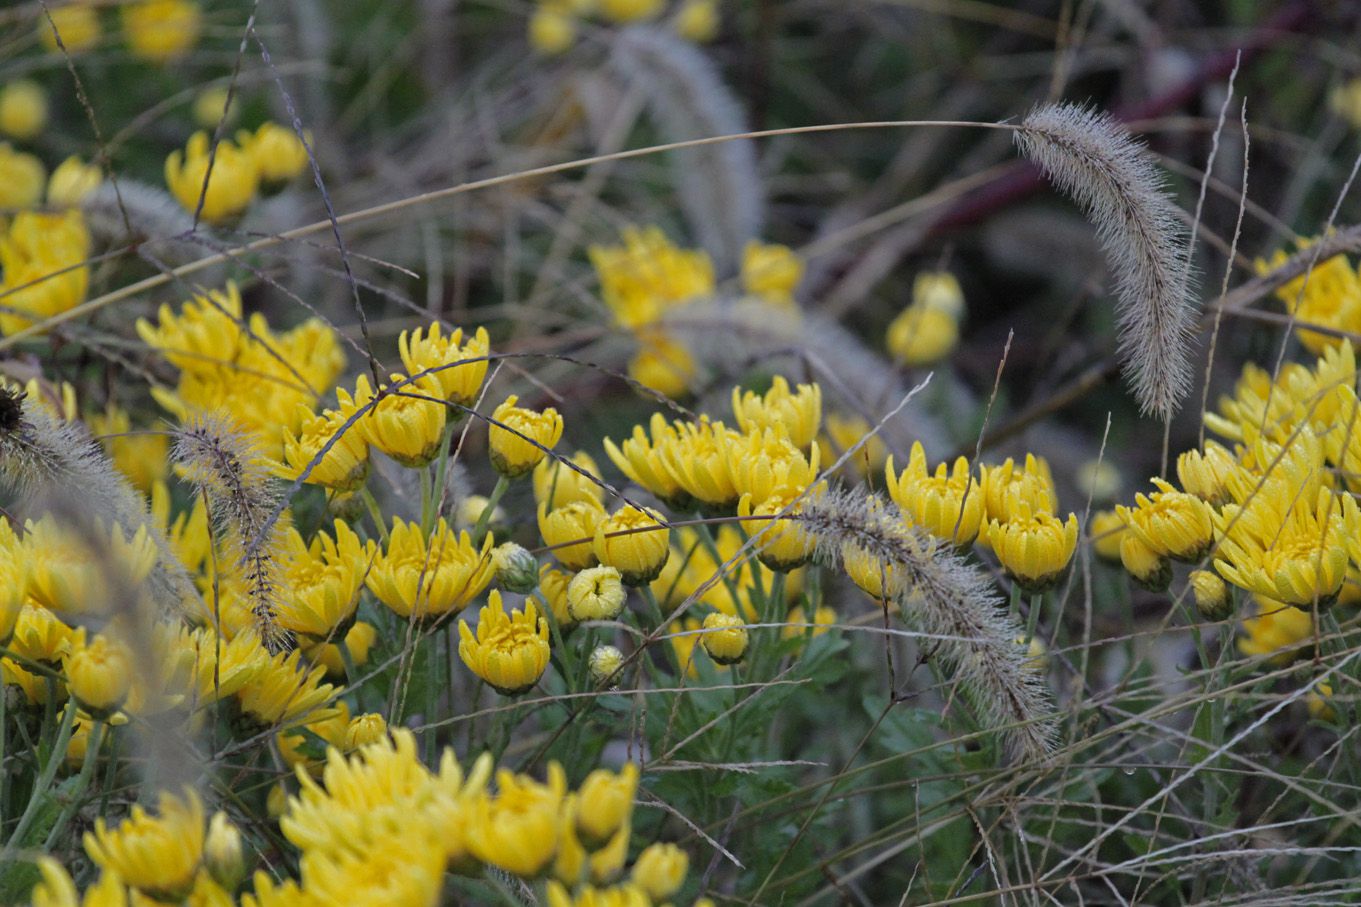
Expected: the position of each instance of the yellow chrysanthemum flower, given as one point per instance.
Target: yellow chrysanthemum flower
(23, 109)
(1033, 548)
(509, 651)
(99, 675)
(231, 187)
(842, 431)
(576, 522)
(161, 30)
(642, 458)
(460, 384)
(321, 582)
(66, 575)
(551, 30)
(596, 593)
(948, 504)
(1211, 595)
(698, 21)
(1276, 629)
(648, 275)
(630, 10)
(421, 577)
(285, 693)
(922, 336)
(1208, 474)
(517, 830)
(72, 181)
(345, 464)
(553, 585)
(1005, 487)
(783, 546)
(605, 804)
(278, 153)
(406, 424)
(1170, 522)
(660, 870)
(556, 485)
(22, 177)
(663, 364)
(359, 640)
(725, 638)
(520, 445)
(639, 556)
(76, 23)
(41, 636)
(43, 259)
(159, 856)
(797, 413)
(769, 272)
(1287, 550)
(1106, 531)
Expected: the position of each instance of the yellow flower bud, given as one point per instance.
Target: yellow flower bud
(663, 364)
(921, 336)
(76, 23)
(459, 384)
(947, 503)
(557, 484)
(1212, 595)
(99, 675)
(640, 555)
(604, 804)
(406, 424)
(210, 108)
(72, 181)
(364, 730)
(797, 413)
(784, 546)
(1106, 530)
(223, 855)
(1145, 566)
(726, 639)
(1207, 474)
(509, 651)
(697, 20)
(1034, 551)
(279, 154)
(660, 870)
(1099, 480)
(771, 272)
(161, 30)
(516, 568)
(551, 31)
(553, 587)
(630, 10)
(1037, 653)
(231, 186)
(359, 640)
(595, 594)
(520, 445)
(23, 109)
(605, 663)
(576, 521)
(21, 186)
(938, 291)
(1172, 523)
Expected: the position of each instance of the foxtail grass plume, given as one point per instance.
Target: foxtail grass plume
(1091, 158)
(945, 597)
(227, 468)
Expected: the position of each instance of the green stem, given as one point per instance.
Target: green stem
(375, 513)
(1033, 618)
(441, 471)
(44, 781)
(92, 744)
(427, 501)
(480, 530)
(351, 671)
(4, 735)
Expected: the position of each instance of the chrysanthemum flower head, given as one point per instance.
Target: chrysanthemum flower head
(518, 447)
(461, 384)
(424, 577)
(232, 183)
(157, 855)
(798, 413)
(508, 651)
(1172, 523)
(947, 503)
